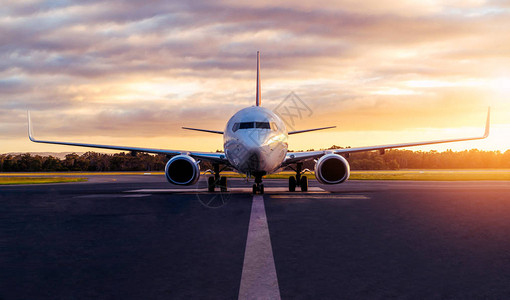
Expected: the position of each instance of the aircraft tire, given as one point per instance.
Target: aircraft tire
(210, 184)
(292, 184)
(223, 184)
(304, 183)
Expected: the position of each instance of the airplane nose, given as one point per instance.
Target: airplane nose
(252, 155)
(250, 150)
(257, 138)
(247, 153)
(246, 159)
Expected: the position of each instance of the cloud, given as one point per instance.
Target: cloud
(140, 68)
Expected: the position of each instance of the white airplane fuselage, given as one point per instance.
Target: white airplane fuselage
(255, 141)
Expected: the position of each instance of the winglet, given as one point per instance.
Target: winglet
(488, 123)
(30, 131)
(257, 99)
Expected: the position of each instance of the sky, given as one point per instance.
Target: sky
(133, 72)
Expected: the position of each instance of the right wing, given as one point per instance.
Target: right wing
(308, 130)
(203, 130)
(294, 157)
(209, 156)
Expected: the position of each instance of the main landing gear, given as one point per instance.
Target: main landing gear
(217, 180)
(298, 180)
(258, 186)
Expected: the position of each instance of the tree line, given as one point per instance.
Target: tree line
(89, 161)
(391, 160)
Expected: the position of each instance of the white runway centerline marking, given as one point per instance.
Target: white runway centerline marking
(259, 280)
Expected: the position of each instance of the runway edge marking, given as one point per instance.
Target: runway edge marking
(258, 280)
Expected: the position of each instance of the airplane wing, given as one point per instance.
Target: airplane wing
(203, 130)
(208, 156)
(308, 130)
(294, 157)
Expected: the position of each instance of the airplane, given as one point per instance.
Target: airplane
(255, 142)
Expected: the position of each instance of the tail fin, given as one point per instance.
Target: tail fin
(257, 99)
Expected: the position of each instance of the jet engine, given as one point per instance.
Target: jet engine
(332, 169)
(182, 170)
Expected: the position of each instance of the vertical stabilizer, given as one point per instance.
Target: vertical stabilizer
(257, 100)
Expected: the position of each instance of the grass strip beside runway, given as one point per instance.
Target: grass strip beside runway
(429, 175)
(77, 173)
(38, 180)
(419, 175)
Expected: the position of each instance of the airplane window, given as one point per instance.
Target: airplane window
(273, 126)
(235, 127)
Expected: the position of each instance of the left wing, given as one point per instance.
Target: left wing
(294, 157)
(209, 156)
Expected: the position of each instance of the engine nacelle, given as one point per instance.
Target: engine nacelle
(332, 169)
(182, 170)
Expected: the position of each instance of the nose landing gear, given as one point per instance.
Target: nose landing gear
(258, 186)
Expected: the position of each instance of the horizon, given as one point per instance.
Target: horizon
(122, 73)
(112, 152)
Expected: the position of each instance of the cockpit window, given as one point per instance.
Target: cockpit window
(264, 125)
(246, 125)
(250, 125)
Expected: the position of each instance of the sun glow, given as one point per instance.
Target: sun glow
(115, 70)
(501, 86)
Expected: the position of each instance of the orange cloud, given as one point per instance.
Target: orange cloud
(141, 70)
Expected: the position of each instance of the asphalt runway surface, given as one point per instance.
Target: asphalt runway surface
(138, 237)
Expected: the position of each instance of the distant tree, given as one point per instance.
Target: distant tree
(9, 165)
(393, 165)
(391, 160)
(51, 163)
(70, 161)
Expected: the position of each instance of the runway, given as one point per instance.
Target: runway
(138, 237)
